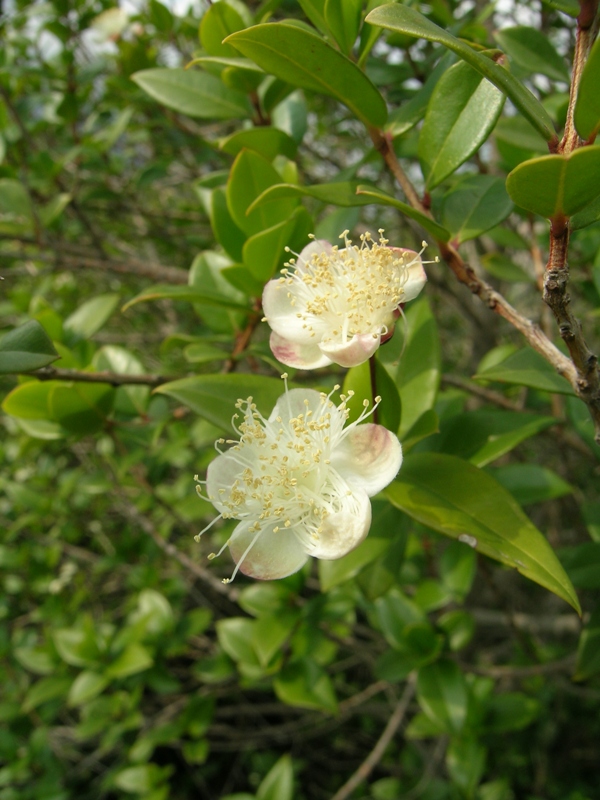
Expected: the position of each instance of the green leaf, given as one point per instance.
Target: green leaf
(30, 400)
(214, 396)
(570, 7)
(315, 11)
(557, 185)
(588, 216)
(250, 176)
(465, 760)
(358, 380)
(414, 363)
(474, 205)
(343, 193)
(46, 689)
(203, 353)
(76, 646)
(305, 60)
(503, 268)
(462, 111)
(510, 711)
(230, 237)
(236, 636)
(267, 142)
(411, 112)
(54, 208)
(457, 499)
(588, 650)
(81, 408)
(532, 51)
(139, 780)
(458, 565)
(587, 107)
(404, 19)
(26, 348)
(530, 483)
(90, 317)
(582, 564)
(129, 400)
(305, 684)
(135, 658)
(343, 18)
(526, 367)
(379, 197)
(85, 687)
(218, 21)
(16, 213)
(484, 435)
(264, 252)
(442, 694)
(278, 783)
(196, 94)
(271, 631)
(191, 294)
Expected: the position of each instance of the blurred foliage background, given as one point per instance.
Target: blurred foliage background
(416, 666)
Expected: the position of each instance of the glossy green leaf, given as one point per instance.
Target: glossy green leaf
(474, 205)
(462, 111)
(130, 400)
(457, 499)
(81, 408)
(271, 631)
(484, 435)
(87, 685)
(45, 689)
(358, 380)
(278, 783)
(558, 184)
(90, 317)
(530, 483)
(214, 396)
(414, 362)
(587, 107)
(404, 19)
(26, 348)
(526, 367)
(135, 658)
(341, 194)
(412, 111)
(305, 684)
(376, 196)
(588, 216)
(188, 293)
(442, 694)
(315, 11)
(532, 50)
(194, 93)
(264, 252)
(218, 21)
(268, 142)
(30, 400)
(250, 176)
(588, 650)
(305, 60)
(236, 638)
(206, 276)
(227, 233)
(240, 278)
(343, 18)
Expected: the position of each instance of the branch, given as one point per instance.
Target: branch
(377, 753)
(113, 378)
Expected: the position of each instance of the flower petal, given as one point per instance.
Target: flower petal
(369, 456)
(343, 531)
(316, 247)
(221, 474)
(295, 402)
(416, 278)
(283, 317)
(273, 555)
(297, 354)
(356, 351)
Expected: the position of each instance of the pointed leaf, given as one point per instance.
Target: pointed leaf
(188, 293)
(379, 197)
(268, 142)
(457, 499)
(587, 107)
(26, 348)
(343, 20)
(474, 205)
(278, 784)
(527, 368)
(305, 60)
(532, 51)
(442, 694)
(403, 19)
(90, 317)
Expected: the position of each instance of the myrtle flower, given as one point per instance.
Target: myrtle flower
(299, 482)
(335, 305)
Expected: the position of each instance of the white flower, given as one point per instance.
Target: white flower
(337, 305)
(299, 482)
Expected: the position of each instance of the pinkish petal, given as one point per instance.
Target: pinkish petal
(343, 531)
(299, 356)
(416, 278)
(356, 351)
(369, 457)
(272, 556)
(282, 316)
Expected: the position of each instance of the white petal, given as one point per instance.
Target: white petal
(343, 531)
(369, 456)
(417, 277)
(316, 247)
(294, 402)
(356, 351)
(273, 555)
(220, 475)
(282, 316)
(296, 354)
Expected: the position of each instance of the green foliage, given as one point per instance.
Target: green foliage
(157, 168)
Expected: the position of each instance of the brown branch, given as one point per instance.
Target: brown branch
(113, 378)
(563, 665)
(377, 753)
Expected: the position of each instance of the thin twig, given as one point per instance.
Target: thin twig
(377, 753)
(112, 378)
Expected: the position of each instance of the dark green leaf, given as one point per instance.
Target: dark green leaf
(532, 51)
(340, 194)
(26, 348)
(465, 759)
(442, 694)
(194, 93)
(526, 367)
(187, 293)
(462, 111)
(588, 651)
(264, 252)
(46, 689)
(358, 380)
(369, 194)
(301, 58)
(582, 564)
(305, 684)
(474, 205)
(457, 499)
(558, 184)
(343, 19)
(81, 408)
(404, 19)
(530, 483)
